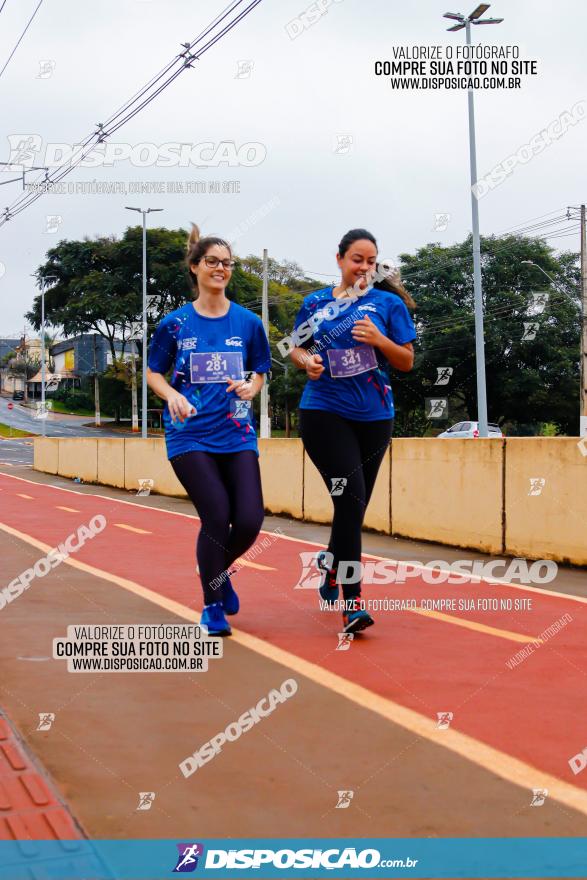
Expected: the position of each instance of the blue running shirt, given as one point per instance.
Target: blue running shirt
(366, 396)
(199, 347)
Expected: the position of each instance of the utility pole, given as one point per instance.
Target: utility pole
(43, 372)
(583, 353)
(133, 388)
(583, 416)
(144, 212)
(24, 355)
(265, 422)
(96, 387)
(475, 19)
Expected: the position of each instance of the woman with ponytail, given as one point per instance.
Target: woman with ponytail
(352, 333)
(219, 354)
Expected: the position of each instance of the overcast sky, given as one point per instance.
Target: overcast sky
(403, 157)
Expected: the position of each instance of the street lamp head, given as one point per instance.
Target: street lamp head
(477, 13)
(44, 279)
(145, 211)
(528, 262)
(457, 17)
(473, 18)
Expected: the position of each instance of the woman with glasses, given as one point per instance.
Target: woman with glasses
(219, 353)
(352, 333)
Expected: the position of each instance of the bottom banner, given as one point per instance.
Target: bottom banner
(526, 857)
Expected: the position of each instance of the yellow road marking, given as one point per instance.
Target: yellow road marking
(246, 564)
(511, 769)
(478, 627)
(22, 495)
(69, 509)
(132, 529)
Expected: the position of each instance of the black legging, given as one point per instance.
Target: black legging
(341, 447)
(225, 489)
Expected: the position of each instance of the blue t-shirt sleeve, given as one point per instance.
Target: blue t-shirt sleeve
(305, 338)
(163, 347)
(302, 315)
(258, 355)
(400, 327)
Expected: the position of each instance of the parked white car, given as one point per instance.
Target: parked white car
(470, 429)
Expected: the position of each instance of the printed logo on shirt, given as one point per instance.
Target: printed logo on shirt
(188, 343)
(366, 309)
(234, 340)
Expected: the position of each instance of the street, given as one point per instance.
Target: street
(19, 450)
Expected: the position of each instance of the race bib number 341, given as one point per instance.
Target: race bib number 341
(216, 366)
(351, 361)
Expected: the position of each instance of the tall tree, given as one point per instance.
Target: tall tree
(532, 356)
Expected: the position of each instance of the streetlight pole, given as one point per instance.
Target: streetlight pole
(43, 412)
(265, 421)
(144, 355)
(474, 18)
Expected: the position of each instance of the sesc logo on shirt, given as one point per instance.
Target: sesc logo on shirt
(188, 343)
(367, 308)
(234, 340)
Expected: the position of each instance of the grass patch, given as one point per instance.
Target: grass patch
(60, 407)
(7, 431)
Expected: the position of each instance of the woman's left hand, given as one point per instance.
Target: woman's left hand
(243, 389)
(366, 331)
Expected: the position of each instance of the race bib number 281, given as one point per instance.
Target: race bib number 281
(216, 366)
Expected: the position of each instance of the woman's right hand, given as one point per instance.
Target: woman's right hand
(314, 367)
(178, 405)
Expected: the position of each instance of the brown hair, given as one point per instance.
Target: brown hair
(396, 286)
(197, 248)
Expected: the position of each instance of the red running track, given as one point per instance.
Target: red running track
(531, 712)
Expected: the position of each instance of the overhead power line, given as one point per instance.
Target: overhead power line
(192, 52)
(21, 36)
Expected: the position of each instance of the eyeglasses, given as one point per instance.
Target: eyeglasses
(213, 262)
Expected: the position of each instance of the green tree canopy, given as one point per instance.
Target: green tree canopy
(532, 371)
(532, 377)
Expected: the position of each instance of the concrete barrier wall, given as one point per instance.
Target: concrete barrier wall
(46, 455)
(111, 462)
(448, 491)
(147, 460)
(78, 457)
(465, 493)
(282, 475)
(546, 519)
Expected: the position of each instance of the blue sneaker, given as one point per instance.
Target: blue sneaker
(328, 588)
(214, 620)
(230, 602)
(354, 618)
